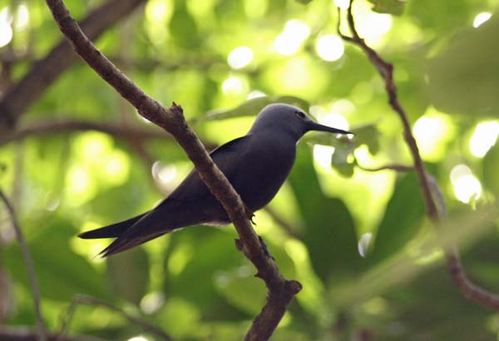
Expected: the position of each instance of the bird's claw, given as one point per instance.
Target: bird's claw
(249, 214)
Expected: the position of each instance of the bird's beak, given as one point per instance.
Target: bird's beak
(319, 127)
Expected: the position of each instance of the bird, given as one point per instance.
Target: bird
(256, 165)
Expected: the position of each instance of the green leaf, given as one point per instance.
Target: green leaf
(128, 273)
(395, 7)
(235, 289)
(253, 107)
(467, 84)
(183, 27)
(339, 160)
(369, 135)
(366, 134)
(195, 257)
(329, 231)
(55, 262)
(402, 218)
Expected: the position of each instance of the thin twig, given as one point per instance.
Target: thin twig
(93, 301)
(392, 166)
(280, 290)
(28, 262)
(434, 206)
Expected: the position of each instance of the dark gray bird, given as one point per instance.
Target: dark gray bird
(256, 165)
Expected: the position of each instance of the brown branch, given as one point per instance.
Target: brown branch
(44, 72)
(92, 301)
(428, 187)
(28, 262)
(392, 166)
(62, 126)
(280, 290)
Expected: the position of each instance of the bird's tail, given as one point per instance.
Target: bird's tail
(161, 220)
(111, 231)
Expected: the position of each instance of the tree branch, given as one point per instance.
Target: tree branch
(35, 291)
(392, 166)
(62, 126)
(429, 189)
(280, 290)
(44, 72)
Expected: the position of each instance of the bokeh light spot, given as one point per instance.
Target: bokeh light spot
(432, 131)
(484, 137)
(5, 27)
(233, 85)
(329, 47)
(481, 18)
(240, 57)
(467, 188)
(291, 39)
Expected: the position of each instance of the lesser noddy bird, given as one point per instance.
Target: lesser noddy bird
(256, 164)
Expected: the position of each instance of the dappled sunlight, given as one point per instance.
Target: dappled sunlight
(311, 296)
(348, 224)
(322, 156)
(484, 137)
(80, 186)
(6, 33)
(298, 76)
(291, 39)
(333, 114)
(22, 17)
(152, 302)
(329, 47)
(165, 176)
(364, 244)
(372, 26)
(432, 131)
(116, 166)
(240, 57)
(365, 193)
(343, 4)
(481, 18)
(90, 250)
(256, 94)
(179, 258)
(467, 188)
(234, 85)
(95, 164)
(157, 15)
(139, 338)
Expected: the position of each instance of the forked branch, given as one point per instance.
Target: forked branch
(429, 189)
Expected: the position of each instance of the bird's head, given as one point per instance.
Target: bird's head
(284, 118)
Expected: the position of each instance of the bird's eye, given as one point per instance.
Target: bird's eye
(300, 114)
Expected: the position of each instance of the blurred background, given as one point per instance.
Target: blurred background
(75, 156)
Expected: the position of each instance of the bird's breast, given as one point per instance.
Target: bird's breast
(264, 170)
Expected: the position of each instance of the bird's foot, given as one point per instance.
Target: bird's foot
(249, 214)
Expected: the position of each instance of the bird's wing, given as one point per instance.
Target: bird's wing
(183, 206)
(227, 157)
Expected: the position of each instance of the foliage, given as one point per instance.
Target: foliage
(194, 284)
